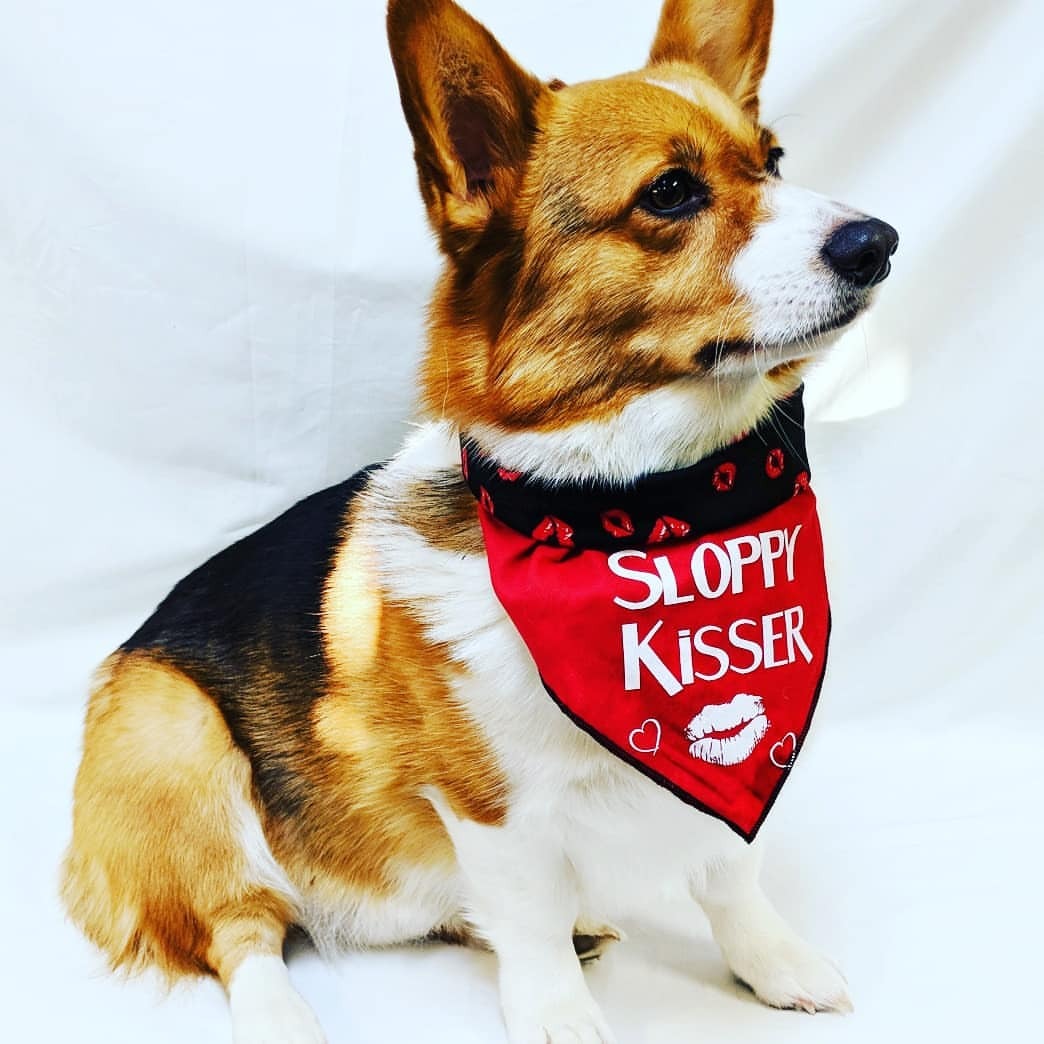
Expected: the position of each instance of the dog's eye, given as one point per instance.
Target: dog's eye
(674, 194)
(775, 154)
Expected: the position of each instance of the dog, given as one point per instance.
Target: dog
(390, 714)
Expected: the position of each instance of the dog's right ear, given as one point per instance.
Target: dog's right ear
(729, 38)
(470, 109)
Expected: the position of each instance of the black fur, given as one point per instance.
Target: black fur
(245, 627)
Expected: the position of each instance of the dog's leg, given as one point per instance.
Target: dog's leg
(266, 1009)
(759, 946)
(522, 899)
(168, 864)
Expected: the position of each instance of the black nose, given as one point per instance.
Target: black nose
(859, 251)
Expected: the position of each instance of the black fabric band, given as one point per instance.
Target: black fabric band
(756, 473)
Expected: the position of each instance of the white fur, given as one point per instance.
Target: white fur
(683, 90)
(790, 291)
(265, 1007)
(262, 868)
(656, 431)
(761, 948)
(524, 898)
(421, 900)
(701, 91)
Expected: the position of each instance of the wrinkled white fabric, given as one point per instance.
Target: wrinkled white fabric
(213, 267)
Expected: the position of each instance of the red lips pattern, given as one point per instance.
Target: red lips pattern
(801, 483)
(666, 527)
(551, 527)
(617, 523)
(774, 463)
(724, 477)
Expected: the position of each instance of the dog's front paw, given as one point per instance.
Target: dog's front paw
(577, 1022)
(787, 973)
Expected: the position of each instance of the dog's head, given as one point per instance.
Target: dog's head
(625, 265)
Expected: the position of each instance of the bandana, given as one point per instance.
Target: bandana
(681, 620)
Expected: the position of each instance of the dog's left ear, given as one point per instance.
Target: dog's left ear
(728, 38)
(471, 110)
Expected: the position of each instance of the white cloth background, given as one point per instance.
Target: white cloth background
(213, 266)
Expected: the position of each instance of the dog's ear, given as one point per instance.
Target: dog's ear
(470, 109)
(728, 38)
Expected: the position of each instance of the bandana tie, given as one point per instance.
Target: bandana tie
(680, 620)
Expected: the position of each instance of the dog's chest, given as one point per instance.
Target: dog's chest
(621, 832)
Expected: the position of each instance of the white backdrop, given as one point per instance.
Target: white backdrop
(213, 266)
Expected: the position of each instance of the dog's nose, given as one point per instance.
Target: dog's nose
(859, 251)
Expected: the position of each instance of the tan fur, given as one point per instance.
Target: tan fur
(401, 702)
(387, 728)
(444, 515)
(156, 874)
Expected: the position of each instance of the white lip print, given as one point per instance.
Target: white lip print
(744, 713)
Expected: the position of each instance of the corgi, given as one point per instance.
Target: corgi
(390, 714)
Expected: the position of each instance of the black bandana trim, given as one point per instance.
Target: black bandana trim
(757, 473)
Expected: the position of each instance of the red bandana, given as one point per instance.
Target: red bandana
(682, 620)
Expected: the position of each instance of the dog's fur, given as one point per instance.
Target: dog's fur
(333, 723)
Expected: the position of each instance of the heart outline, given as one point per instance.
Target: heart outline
(786, 738)
(640, 731)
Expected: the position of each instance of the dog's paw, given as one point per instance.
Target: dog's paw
(788, 973)
(266, 1009)
(287, 1020)
(282, 1019)
(577, 1023)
